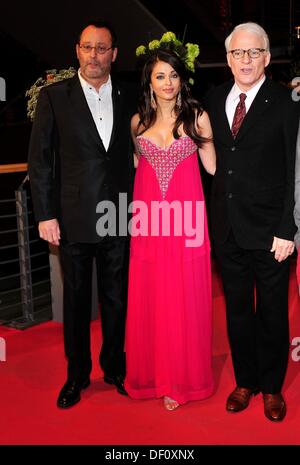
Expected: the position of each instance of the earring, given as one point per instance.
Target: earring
(152, 99)
(179, 100)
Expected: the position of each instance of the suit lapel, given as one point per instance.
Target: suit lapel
(262, 101)
(222, 121)
(116, 101)
(82, 112)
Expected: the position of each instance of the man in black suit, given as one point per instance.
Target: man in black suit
(80, 154)
(297, 204)
(254, 123)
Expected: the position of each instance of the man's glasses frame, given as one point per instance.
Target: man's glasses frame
(86, 48)
(239, 53)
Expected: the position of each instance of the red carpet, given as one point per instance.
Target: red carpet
(34, 371)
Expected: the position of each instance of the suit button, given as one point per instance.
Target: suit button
(233, 149)
(229, 171)
(230, 195)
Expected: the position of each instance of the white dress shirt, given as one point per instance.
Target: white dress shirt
(101, 107)
(233, 99)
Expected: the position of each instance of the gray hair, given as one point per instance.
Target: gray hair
(249, 27)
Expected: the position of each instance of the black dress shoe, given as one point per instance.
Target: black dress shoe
(118, 381)
(274, 406)
(70, 393)
(239, 399)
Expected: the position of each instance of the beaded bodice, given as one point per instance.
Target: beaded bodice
(164, 161)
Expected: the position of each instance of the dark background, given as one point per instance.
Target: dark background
(36, 36)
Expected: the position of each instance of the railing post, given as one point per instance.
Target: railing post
(24, 252)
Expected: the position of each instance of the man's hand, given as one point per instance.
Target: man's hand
(282, 248)
(49, 231)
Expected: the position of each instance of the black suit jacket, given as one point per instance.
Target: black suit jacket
(70, 171)
(253, 188)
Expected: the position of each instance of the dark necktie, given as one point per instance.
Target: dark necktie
(239, 115)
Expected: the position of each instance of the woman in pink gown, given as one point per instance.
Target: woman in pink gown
(168, 335)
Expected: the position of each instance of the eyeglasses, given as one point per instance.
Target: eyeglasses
(239, 53)
(98, 48)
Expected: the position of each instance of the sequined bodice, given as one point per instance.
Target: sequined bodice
(165, 161)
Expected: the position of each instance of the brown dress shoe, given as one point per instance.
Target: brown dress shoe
(274, 406)
(239, 399)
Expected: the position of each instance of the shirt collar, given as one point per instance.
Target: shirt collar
(106, 87)
(236, 91)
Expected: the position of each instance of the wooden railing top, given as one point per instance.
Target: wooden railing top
(13, 168)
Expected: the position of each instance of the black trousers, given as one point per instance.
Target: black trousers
(256, 293)
(112, 274)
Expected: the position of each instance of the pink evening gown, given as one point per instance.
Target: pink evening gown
(169, 316)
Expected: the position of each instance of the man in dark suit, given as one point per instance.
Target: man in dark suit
(254, 123)
(80, 154)
(297, 205)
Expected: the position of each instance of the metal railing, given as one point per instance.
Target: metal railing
(25, 291)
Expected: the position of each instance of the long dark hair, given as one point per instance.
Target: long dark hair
(190, 108)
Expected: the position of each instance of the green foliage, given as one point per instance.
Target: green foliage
(52, 75)
(187, 53)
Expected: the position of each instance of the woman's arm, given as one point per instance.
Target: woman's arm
(134, 127)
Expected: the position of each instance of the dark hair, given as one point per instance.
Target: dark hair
(190, 108)
(99, 24)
